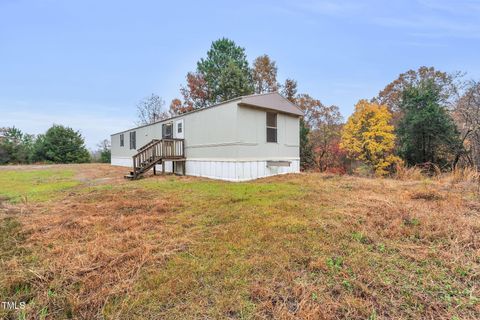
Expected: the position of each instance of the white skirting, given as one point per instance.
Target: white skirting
(237, 170)
(122, 161)
(230, 170)
(128, 162)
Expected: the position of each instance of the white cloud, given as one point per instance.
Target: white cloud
(435, 19)
(329, 7)
(416, 18)
(458, 7)
(305, 8)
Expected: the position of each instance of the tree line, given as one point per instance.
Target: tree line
(425, 117)
(59, 144)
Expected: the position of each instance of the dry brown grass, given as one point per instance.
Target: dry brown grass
(305, 246)
(409, 173)
(468, 175)
(93, 246)
(437, 231)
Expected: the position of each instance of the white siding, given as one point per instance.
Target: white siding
(237, 170)
(252, 133)
(226, 142)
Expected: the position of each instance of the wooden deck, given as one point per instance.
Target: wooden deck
(156, 152)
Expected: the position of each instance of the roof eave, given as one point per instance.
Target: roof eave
(299, 114)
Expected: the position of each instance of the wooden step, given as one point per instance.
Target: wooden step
(155, 152)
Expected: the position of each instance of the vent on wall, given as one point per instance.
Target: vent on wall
(278, 163)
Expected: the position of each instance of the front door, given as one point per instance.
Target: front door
(167, 132)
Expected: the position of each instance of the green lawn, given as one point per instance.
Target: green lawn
(37, 185)
(305, 246)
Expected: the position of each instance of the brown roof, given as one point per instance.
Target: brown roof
(271, 101)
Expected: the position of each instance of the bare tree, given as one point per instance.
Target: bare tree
(289, 90)
(151, 110)
(324, 123)
(104, 145)
(264, 74)
(311, 108)
(467, 117)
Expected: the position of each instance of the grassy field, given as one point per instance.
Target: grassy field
(80, 242)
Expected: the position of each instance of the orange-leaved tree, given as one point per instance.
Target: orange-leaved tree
(368, 136)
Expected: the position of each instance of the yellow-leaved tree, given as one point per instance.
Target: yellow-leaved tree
(368, 136)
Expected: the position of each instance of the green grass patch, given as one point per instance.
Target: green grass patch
(38, 185)
(278, 248)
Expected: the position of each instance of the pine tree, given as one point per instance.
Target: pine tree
(225, 71)
(426, 132)
(61, 145)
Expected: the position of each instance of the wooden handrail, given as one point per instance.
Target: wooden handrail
(156, 150)
(146, 146)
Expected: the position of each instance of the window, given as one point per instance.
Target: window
(167, 131)
(122, 140)
(179, 127)
(271, 127)
(133, 140)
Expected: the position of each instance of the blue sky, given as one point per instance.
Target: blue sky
(87, 63)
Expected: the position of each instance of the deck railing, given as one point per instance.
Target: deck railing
(165, 149)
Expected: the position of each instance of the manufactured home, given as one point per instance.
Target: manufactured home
(241, 139)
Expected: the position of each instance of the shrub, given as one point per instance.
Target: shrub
(61, 145)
